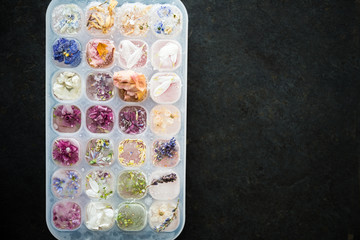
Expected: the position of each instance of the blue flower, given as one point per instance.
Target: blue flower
(159, 27)
(74, 184)
(57, 183)
(67, 51)
(72, 175)
(163, 11)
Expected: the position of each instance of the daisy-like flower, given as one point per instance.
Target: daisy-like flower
(165, 214)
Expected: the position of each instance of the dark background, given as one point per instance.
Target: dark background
(273, 119)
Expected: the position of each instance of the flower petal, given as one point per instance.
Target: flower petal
(94, 185)
(92, 194)
(162, 88)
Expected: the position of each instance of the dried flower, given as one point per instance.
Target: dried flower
(65, 153)
(102, 18)
(132, 85)
(134, 19)
(100, 119)
(67, 51)
(66, 183)
(169, 54)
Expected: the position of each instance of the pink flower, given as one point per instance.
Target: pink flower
(67, 215)
(100, 119)
(65, 152)
(70, 115)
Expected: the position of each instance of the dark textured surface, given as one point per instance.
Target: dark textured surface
(273, 120)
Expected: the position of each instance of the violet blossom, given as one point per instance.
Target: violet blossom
(70, 115)
(65, 153)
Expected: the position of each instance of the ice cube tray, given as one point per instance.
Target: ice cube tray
(115, 159)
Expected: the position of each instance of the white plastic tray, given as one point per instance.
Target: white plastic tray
(116, 136)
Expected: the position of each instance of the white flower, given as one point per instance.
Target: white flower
(170, 50)
(93, 192)
(131, 53)
(67, 86)
(99, 216)
(165, 82)
(160, 212)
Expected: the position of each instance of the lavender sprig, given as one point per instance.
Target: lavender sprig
(164, 179)
(168, 221)
(165, 149)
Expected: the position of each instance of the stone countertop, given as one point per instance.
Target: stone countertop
(273, 119)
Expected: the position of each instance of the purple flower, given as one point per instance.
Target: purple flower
(74, 184)
(103, 86)
(70, 115)
(164, 179)
(100, 119)
(166, 149)
(67, 215)
(164, 11)
(67, 51)
(159, 27)
(132, 120)
(65, 152)
(58, 184)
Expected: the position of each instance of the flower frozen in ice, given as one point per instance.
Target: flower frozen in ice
(65, 153)
(67, 215)
(164, 11)
(67, 19)
(100, 119)
(99, 152)
(169, 51)
(99, 184)
(67, 86)
(99, 216)
(70, 115)
(67, 51)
